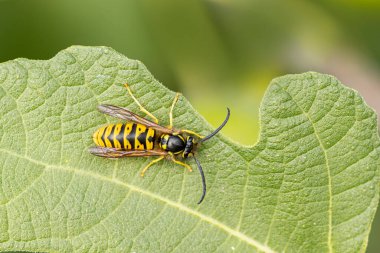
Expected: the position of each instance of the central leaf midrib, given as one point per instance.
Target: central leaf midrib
(179, 206)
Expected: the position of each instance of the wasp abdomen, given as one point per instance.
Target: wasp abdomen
(125, 136)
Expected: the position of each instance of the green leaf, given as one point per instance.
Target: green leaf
(310, 184)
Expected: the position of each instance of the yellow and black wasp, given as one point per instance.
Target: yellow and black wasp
(142, 137)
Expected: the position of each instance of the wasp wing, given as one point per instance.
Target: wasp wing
(122, 113)
(118, 153)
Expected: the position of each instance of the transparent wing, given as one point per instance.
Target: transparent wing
(118, 153)
(122, 113)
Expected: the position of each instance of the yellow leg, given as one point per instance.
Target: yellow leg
(172, 108)
(192, 133)
(150, 164)
(171, 117)
(141, 107)
(181, 163)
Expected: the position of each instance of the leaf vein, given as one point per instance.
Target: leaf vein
(202, 217)
(329, 185)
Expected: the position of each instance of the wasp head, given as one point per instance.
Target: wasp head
(188, 147)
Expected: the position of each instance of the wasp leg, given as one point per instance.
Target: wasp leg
(150, 164)
(171, 118)
(141, 107)
(181, 163)
(192, 133)
(172, 108)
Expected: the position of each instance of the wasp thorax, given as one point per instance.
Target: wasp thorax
(172, 143)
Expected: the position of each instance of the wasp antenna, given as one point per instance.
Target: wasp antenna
(203, 180)
(218, 129)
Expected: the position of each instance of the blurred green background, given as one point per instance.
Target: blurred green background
(218, 53)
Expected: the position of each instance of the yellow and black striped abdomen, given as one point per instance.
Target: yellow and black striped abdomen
(125, 136)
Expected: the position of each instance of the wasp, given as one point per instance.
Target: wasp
(140, 137)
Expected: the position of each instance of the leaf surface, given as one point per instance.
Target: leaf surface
(310, 184)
